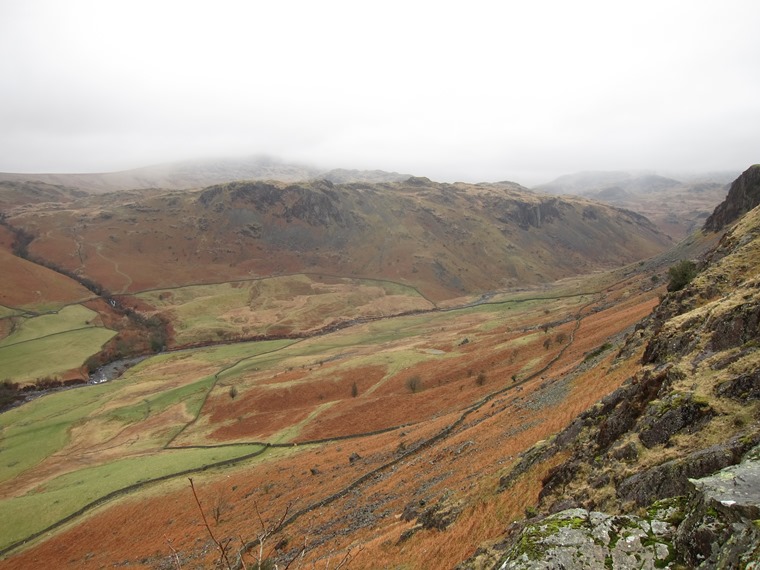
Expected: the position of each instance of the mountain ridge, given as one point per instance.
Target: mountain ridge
(439, 237)
(195, 174)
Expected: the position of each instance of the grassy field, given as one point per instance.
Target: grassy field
(38, 429)
(68, 493)
(69, 318)
(276, 305)
(50, 345)
(7, 312)
(53, 355)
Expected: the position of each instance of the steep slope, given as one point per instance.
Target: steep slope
(691, 410)
(743, 195)
(447, 240)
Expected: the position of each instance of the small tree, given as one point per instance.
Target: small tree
(681, 274)
(414, 384)
(354, 390)
(481, 378)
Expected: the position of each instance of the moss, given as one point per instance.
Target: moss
(532, 537)
(671, 510)
(614, 538)
(669, 559)
(529, 544)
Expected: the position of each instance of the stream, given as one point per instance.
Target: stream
(114, 369)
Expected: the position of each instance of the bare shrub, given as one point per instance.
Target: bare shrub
(414, 384)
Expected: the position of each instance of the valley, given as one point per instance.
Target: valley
(348, 372)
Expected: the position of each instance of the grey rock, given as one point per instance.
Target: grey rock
(577, 538)
(677, 413)
(671, 479)
(720, 530)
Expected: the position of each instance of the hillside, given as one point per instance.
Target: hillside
(376, 421)
(448, 240)
(673, 453)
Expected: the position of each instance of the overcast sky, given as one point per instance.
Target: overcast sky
(472, 91)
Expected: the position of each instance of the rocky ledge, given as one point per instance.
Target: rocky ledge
(717, 525)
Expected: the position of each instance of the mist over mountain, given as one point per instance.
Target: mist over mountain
(677, 206)
(200, 173)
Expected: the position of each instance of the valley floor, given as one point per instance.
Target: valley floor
(381, 444)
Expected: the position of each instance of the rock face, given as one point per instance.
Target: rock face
(742, 197)
(577, 538)
(721, 528)
(671, 479)
(714, 526)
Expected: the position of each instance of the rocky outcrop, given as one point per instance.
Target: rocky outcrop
(714, 525)
(675, 431)
(671, 479)
(314, 203)
(438, 516)
(577, 538)
(743, 195)
(676, 413)
(744, 387)
(721, 528)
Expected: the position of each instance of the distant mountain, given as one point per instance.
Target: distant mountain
(588, 183)
(15, 193)
(677, 207)
(447, 239)
(198, 174)
(581, 183)
(344, 176)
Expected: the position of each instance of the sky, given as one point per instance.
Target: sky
(470, 91)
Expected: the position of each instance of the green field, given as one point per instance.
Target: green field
(49, 345)
(69, 318)
(7, 312)
(68, 493)
(39, 428)
(51, 355)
